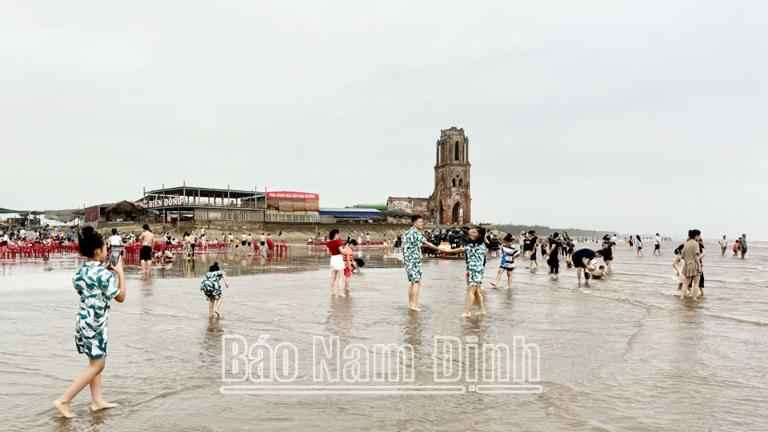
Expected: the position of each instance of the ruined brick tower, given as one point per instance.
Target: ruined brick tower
(451, 200)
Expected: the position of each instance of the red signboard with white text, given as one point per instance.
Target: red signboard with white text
(286, 195)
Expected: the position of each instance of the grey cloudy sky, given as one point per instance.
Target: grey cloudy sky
(635, 116)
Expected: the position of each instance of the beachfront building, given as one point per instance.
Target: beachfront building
(123, 211)
(350, 214)
(290, 206)
(10, 219)
(450, 202)
(205, 204)
(191, 203)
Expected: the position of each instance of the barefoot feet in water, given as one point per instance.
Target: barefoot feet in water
(63, 408)
(102, 405)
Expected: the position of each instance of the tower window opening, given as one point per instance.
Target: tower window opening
(456, 151)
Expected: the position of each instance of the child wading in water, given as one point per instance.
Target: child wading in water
(211, 287)
(508, 254)
(678, 264)
(96, 286)
(474, 252)
(350, 265)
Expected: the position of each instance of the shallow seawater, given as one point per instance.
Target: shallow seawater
(622, 354)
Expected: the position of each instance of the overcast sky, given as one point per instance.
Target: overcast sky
(634, 116)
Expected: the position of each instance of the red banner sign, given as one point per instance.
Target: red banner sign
(293, 195)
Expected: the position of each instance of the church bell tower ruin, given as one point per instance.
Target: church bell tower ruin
(451, 199)
(450, 202)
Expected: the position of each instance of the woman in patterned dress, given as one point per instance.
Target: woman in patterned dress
(211, 287)
(474, 252)
(96, 286)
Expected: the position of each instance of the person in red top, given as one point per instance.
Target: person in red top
(337, 249)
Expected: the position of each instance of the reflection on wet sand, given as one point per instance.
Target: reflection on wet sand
(302, 259)
(412, 331)
(340, 319)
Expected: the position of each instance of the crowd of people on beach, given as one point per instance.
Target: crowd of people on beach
(44, 235)
(554, 249)
(739, 246)
(101, 278)
(187, 245)
(689, 262)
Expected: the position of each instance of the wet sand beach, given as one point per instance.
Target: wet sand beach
(622, 354)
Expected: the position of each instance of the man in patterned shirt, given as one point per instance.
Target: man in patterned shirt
(412, 243)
